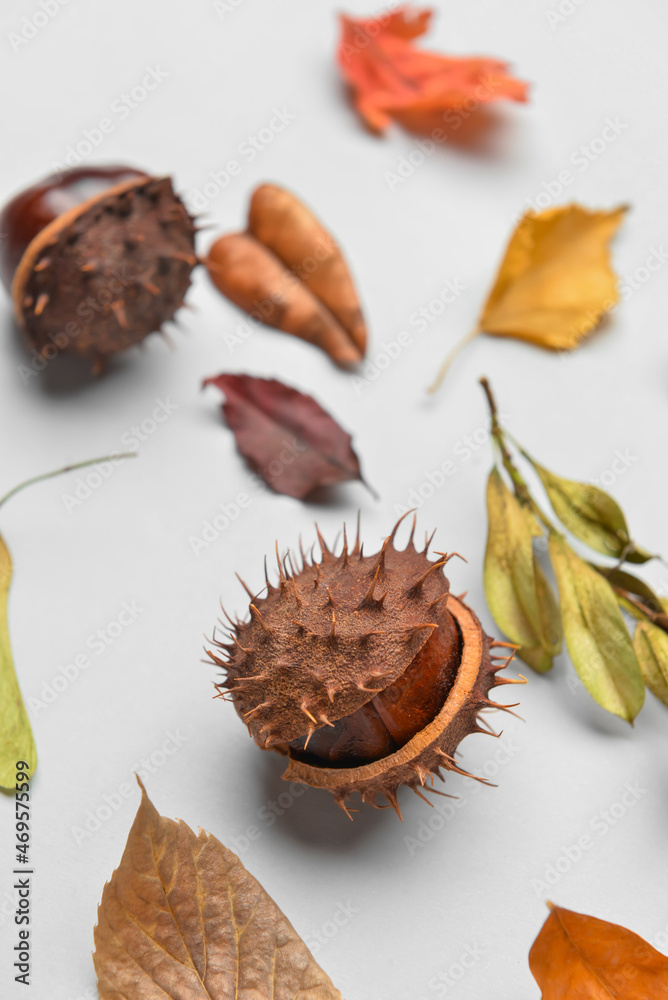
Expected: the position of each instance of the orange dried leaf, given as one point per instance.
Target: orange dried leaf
(288, 272)
(555, 282)
(181, 917)
(576, 957)
(390, 78)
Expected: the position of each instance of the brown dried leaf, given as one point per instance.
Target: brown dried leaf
(576, 957)
(287, 438)
(288, 272)
(182, 918)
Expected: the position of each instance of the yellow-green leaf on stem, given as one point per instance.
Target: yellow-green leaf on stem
(596, 635)
(591, 515)
(651, 645)
(518, 595)
(16, 739)
(540, 657)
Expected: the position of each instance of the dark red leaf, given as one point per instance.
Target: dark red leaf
(286, 437)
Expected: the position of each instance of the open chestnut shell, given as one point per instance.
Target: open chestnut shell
(95, 259)
(364, 670)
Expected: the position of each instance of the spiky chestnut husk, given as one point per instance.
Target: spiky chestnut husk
(364, 670)
(96, 259)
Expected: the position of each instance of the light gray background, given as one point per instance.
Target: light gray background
(472, 885)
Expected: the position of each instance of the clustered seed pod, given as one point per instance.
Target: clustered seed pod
(364, 670)
(96, 259)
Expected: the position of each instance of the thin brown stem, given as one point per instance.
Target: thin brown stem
(443, 370)
(519, 484)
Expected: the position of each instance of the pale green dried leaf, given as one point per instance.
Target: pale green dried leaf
(517, 592)
(651, 645)
(16, 738)
(591, 515)
(540, 657)
(596, 635)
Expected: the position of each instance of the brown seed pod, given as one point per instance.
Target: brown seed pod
(287, 271)
(95, 260)
(364, 670)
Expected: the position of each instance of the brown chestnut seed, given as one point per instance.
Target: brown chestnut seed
(364, 670)
(96, 259)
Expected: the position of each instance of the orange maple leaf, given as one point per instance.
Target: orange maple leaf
(390, 78)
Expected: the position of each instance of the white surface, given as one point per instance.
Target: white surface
(471, 885)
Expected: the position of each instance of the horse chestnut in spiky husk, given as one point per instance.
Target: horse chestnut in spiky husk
(364, 670)
(96, 259)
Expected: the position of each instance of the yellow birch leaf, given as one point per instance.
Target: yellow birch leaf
(555, 282)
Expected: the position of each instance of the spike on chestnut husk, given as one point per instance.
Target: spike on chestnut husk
(363, 691)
